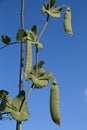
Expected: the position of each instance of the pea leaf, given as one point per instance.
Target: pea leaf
(40, 71)
(39, 77)
(20, 34)
(49, 4)
(19, 102)
(46, 75)
(34, 29)
(3, 92)
(6, 39)
(54, 11)
(6, 104)
(31, 36)
(20, 116)
(38, 83)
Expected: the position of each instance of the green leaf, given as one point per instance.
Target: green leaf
(34, 29)
(38, 83)
(49, 4)
(17, 101)
(20, 34)
(40, 70)
(19, 111)
(46, 75)
(39, 76)
(20, 116)
(54, 11)
(3, 93)
(4, 107)
(29, 35)
(32, 38)
(6, 104)
(6, 39)
(39, 45)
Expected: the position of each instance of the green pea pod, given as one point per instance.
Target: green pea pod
(67, 21)
(28, 61)
(54, 103)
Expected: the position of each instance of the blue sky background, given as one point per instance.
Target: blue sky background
(64, 56)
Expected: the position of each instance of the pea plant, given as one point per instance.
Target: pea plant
(35, 74)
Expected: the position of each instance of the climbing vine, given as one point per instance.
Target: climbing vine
(17, 108)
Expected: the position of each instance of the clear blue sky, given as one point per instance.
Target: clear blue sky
(65, 56)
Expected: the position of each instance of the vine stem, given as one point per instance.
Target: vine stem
(38, 39)
(29, 91)
(9, 45)
(27, 96)
(19, 124)
(44, 27)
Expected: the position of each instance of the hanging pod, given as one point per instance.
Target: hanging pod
(54, 103)
(28, 62)
(31, 39)
(67, 21)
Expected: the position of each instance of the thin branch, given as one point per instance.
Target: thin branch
(42, 31)
(22, 49)
(27, 96)
(3, 113)
(12, 43)
(19, 124)
(49, 4)
(36, 59)
(29, 91)
(44, 27)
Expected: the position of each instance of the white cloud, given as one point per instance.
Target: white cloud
(86, 92)
(85, 95)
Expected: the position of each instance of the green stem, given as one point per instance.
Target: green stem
(19, 124)
(44, 27)
(29, 92)
(38, 39)
(49, 4)
(8, 45)
(36, 59)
